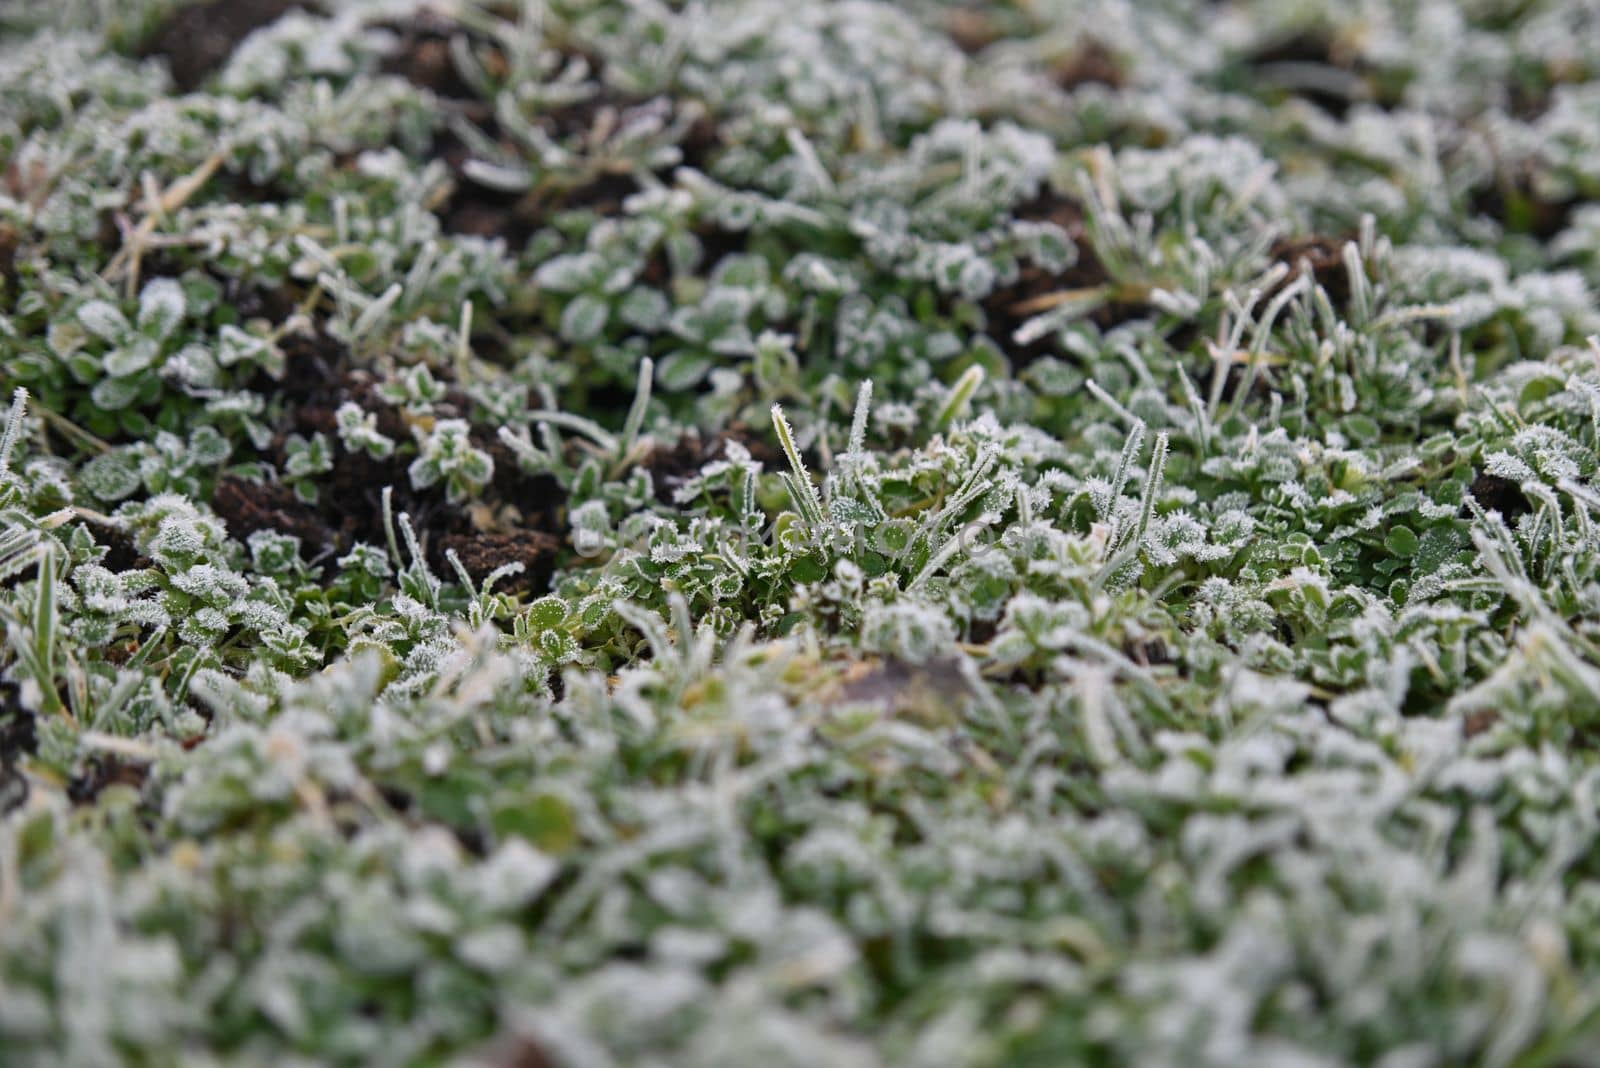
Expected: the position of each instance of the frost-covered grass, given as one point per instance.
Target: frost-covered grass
(795, 533)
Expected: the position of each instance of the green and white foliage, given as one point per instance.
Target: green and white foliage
(596, 532)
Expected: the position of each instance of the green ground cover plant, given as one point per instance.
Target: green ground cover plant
(584, 533)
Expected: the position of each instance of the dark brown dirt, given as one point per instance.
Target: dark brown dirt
(480, 554)
(715, 243)
(1307, 49)
(255, 302)
(1322, 256)
(701, 143)
(247, 507)
(1147, 652)
(10, 243)
(1091, 64)
(931, 693)
(198, 39)
(888, 680)
(319, 378)
(514, 1051)
(13, 788)
(423, 57)
(99, 772)
(30, 183)
(971, 29)
(1496, 494)
(17, 740)
(121, 553)
(1530, 93)
(982, 631)
(670, 466)
(475, 209)
(1306, 46)
(1008, 308)
(314, 369)
(1513, 203)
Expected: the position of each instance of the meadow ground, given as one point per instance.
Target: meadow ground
(798, 533)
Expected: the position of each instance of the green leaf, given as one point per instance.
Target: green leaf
(103, 320)
(547, 612)
(161, 308)
(584, 320)
(1401, 541)
(545, 820)
(808, 569)
(682, 370)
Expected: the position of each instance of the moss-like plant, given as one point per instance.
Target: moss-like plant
(800, 533)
